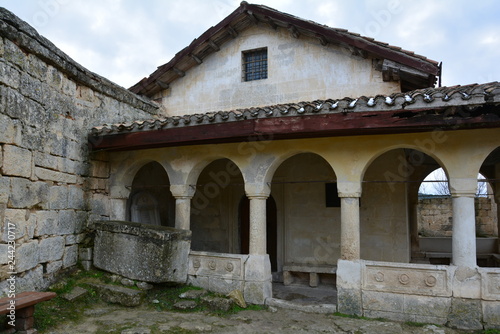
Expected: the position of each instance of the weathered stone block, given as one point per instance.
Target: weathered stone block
(119, 295)
(16, 161)
(383, 301)
(51, 249)
(53, 267)
(100, 205)
(27, 256)
(26, 194)
(224, 286)
(15, 222)
(427, 306)
(257, 292)
(491, 314)
(58, 198)
(349, 287)
(76, 198)
(147, 253)
(99, 169)
(51, 175)
(9, 75)
(85, 254)
(465, 314)
(4, 255)
(70, 239)
(70, 256)
(67, 222)
(467, 283)
(32, 280)
(4, 189)
(258, 268)
(46, 223)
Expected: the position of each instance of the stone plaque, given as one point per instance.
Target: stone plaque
(216, 265)
(407, 279)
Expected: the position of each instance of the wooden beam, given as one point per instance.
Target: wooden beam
(232, 32)
(293, 30)
(252, 17)
(292, 127)
(271, 22)
(179, 72)
(195, 58)
(322, 39)
(162, 84)
(213, 45)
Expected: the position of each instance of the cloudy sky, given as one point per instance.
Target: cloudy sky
(126, 40)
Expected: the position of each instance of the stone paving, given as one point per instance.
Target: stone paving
(115, 319)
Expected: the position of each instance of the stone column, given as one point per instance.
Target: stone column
(349, 193)
(463, 192)
(183, 195)
(350, 248)
(258, 235)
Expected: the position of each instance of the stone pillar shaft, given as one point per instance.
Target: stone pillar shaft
(258, 225)
(464, 231)
(183, 213)
(349, 231)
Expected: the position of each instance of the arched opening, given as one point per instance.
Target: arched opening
(151, 201)
(308, 235)
(435, 219)
(488, 209)
(214, 208)
(388, 213)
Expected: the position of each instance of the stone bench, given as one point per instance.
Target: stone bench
(24, 309)
(313, 271)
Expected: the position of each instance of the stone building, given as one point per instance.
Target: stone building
(219, 141)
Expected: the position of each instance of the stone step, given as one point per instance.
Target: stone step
(119, 295)
(301, 306)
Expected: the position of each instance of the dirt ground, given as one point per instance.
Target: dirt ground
(115, 319)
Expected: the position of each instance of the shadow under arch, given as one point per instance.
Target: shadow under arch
(214, 207)
(308, 227)
(388, 211)
(150, 200)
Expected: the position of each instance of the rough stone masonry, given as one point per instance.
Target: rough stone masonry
(49, 185)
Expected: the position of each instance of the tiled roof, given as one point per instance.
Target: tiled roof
(247, 15)
(417, 100)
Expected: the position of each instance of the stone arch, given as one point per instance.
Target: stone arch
(198, 167)
(308, 225)
(150, 200)
(415, 148)
(281, 158)
(214, 207)
(388, 214)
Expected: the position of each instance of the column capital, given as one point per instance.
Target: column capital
(257, 190)
(182, 190)
(348, 188)
(463, 187)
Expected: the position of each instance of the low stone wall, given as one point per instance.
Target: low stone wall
(219, 272)
(465, 298)
(435, 217)
(49, 185)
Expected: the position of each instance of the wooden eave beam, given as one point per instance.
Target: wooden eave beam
(162, 84)
(179, 72)
(196, 59)
(271, 22)
(252, 17)
(293, 127)
(294, 31)
(232, 32)
(213, 45)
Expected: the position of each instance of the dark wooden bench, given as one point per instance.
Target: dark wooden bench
(24, 309)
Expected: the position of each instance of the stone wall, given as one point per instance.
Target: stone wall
(48, 182)
(460, 297)
(435, 217)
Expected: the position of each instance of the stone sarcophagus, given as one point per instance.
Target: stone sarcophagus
(149, 253)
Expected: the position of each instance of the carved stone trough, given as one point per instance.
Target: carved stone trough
(149, 253)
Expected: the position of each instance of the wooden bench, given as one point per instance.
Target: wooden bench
(24, 309)
(313, 271)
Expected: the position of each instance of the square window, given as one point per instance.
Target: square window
(254, 64)
(332, 196)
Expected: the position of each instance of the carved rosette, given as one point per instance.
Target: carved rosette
(229, 267)
(430, 281)
(212, 265)
(196, 263)
(404, 279)
(379, 277)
